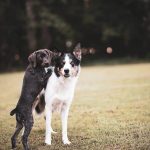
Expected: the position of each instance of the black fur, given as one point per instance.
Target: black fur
(34, 81)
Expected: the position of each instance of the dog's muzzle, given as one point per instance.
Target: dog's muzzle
(66, 75)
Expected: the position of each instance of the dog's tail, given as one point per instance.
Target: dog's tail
(40, 106)
(13, 111)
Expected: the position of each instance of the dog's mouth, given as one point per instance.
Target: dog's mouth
(45, 64)
(67, 75)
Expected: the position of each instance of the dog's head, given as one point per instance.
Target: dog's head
(40, 58)
(68, 64)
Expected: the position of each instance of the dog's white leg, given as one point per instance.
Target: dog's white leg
(48, 125)
(64, 119)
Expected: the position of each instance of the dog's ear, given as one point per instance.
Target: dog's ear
(53, 54)
(55, 57)
(77, 51)
(50, 53)
(32, 59)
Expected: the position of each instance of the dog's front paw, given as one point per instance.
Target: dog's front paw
(48, 142)
(66, 142)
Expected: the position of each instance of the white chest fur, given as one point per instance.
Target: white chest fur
(59, 91)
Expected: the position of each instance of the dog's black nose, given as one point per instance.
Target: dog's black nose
(66, 71)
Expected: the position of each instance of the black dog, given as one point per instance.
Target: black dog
(34, 81)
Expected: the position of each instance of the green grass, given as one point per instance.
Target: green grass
(111, 110)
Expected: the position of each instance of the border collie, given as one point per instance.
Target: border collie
(59, 92)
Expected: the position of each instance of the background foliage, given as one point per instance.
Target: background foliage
(29, 25)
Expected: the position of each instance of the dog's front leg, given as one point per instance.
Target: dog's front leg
(64, 119)
(48, 125)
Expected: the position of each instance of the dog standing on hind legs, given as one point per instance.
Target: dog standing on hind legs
(60, 91)
(35, 79)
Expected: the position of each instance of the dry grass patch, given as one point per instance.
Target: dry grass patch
(111, 110)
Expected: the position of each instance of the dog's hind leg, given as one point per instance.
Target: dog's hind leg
(19, 126)
(28, 124)
(52, 131)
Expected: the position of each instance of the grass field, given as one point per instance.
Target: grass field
(111, 110)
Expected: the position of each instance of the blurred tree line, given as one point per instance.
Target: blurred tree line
(28, 25)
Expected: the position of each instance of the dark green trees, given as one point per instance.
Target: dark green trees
(28, 25)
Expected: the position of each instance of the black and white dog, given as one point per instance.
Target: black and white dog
(60, 91)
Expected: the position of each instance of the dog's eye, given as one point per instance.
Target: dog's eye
(62, 63)
(43, 55)
(72, 63)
